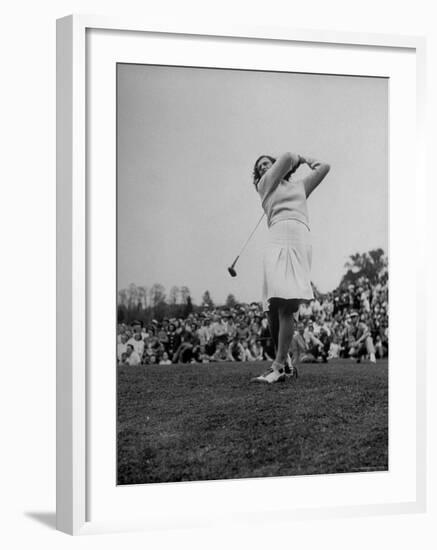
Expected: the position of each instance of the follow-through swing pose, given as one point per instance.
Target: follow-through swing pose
(287, 257)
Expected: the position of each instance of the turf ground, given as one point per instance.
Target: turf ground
(205, 422)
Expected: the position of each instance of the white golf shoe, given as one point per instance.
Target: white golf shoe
(271, 376)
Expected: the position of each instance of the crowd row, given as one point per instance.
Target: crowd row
(351, 322)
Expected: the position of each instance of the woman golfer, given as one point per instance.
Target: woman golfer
(287, 257)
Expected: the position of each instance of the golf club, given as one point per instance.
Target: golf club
(231, 269)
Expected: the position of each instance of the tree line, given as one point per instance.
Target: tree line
(144, 304)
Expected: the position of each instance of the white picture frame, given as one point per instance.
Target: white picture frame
(74, 341)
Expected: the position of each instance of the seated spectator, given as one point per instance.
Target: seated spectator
(247, 355)
(173, 339)
(360, 340)
(222, 353)
(121, 329)
(231, 328)
(200, 355)
(148, 352)
(163, 336)
(269, 350)
(121, 346)
(204, 332)
(255, 328)
(219, 330)
(379, 348)
(243, 331)
(334, 350)
(136, 327)
(328, 330)
(138, 344)
(159, 351)
(257, 350)
(236, 350)
(184, 352)
(153, 338)
(325, 340)
(299, 349)
(264, 331)
(132, 359)
(315, 347)
(305, 311)
(165, 360)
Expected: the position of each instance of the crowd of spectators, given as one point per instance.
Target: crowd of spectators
(351, 322)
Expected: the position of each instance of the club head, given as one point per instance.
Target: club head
(232, 272)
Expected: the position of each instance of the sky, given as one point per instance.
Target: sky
(187, 140)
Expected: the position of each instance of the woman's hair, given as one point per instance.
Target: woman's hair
(256, 174)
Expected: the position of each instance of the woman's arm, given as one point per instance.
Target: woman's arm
(318, 172)
(279, 170)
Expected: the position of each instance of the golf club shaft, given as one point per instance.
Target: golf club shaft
(250, 236)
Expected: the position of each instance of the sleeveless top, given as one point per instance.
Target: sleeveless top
(285, 200)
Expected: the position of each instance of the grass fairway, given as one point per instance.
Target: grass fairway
(204, 422)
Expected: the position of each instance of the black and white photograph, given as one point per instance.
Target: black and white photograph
(252, 274)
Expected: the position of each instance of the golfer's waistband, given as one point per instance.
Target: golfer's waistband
(275, 222)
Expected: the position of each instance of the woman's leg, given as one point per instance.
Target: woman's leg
(286, 309)
(273, 322)
(283, 326)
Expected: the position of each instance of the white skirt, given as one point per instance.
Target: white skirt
(287, 262)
